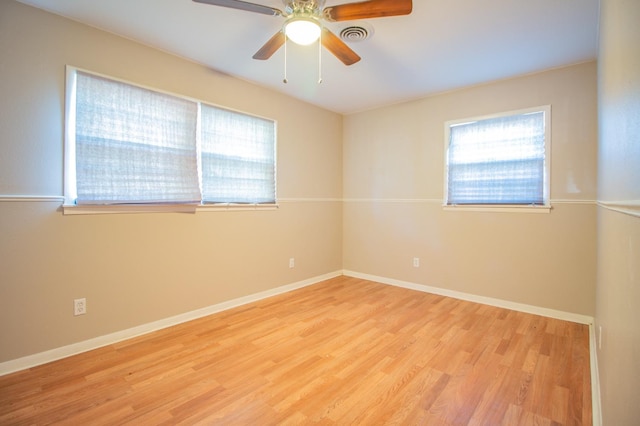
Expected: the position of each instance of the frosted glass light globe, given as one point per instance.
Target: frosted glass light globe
(302, 31)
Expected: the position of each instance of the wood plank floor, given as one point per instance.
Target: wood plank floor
(341, 352)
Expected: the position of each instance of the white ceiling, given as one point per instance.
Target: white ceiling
(442, 45)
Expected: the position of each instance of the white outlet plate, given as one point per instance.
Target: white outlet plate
(416, 262)
(599, 337)
(79, 306)
(292, 262)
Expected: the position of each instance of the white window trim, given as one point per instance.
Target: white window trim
(84, 209)
(507, 208)
(70, 191)
(498, 209)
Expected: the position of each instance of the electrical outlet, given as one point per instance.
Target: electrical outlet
(292, 262)
(79, 306)
(416, 262)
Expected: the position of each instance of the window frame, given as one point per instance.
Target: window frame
(69, 206)
(510, 208)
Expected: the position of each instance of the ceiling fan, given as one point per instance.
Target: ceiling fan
(303, 21)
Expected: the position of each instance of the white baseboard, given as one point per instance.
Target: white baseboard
(97, 342)
(596, 401)
(521, 307)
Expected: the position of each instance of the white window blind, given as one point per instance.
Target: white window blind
(130, 145)
(498, 160)
(133, 145)
(238, 157)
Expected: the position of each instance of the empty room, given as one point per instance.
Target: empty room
(414, 212)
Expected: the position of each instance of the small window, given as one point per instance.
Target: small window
(237, 157)
(501, 160)
(131, 145)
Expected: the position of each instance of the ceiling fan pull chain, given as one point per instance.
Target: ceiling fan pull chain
(285, 61)
(320, 59)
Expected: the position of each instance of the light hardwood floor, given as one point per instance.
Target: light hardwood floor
(345, 352)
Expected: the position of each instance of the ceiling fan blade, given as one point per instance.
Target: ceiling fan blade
(368, 9)
(243, 5)
(271, 46)
(338, 47)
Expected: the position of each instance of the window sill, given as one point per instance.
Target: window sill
(235, 207)
(160, 208)
(498, 208)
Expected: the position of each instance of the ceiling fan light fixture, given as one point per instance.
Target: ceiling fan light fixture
(302, 30)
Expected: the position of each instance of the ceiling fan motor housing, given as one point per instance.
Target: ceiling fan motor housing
(311, 8)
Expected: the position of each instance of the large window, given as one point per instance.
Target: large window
(131, 145)
(500, 160)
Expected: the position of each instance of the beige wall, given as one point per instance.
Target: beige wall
(394, 184)
(618, 285)
(134, 269)
(386, 163)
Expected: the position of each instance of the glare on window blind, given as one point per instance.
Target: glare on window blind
(238, 157)
(133, 145)
(497, 161)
